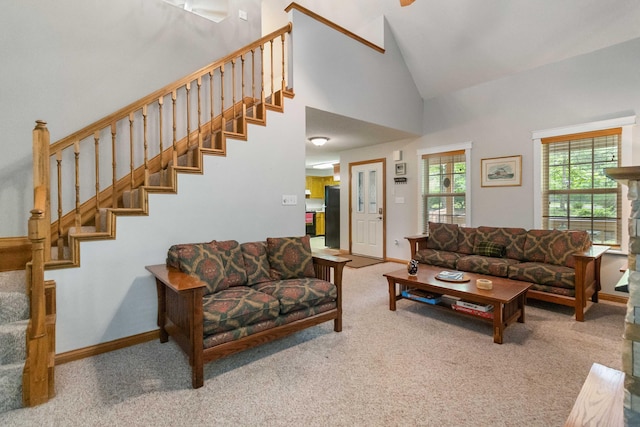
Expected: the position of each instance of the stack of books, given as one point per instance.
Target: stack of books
(482, 310)
(422, 295)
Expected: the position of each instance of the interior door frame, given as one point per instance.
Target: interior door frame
(384, 202)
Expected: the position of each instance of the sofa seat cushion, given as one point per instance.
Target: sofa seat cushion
(236, 307)
(554, 290)
(297, 294)
(544, 274)
(235, 334)
(492, 266)
(435, 257)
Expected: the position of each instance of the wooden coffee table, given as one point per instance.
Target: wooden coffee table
(507, 296)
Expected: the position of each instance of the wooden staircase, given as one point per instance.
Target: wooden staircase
(84, 181)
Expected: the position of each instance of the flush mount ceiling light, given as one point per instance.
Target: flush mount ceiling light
(318, 140)
(323, 166)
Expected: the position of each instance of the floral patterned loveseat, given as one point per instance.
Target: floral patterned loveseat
(563, 266)
(221, 297)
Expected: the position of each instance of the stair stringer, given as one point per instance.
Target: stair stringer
(275, 103)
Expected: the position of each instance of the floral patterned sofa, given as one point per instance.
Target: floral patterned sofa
(563, 266)
(221, 297)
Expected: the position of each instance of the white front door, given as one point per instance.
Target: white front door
(367, 209)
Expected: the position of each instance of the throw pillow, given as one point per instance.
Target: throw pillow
(443, 237)
(290, 257)
(490, 249)
(202, 261)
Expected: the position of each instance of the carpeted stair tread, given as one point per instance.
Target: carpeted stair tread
(11, 386)
(14, 306)
(13, 342)
(13, 281)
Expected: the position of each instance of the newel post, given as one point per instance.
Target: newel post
(41, 178)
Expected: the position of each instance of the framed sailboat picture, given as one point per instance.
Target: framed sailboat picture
(501, 171)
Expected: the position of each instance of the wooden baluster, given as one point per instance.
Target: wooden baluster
(262, 94)
(132, 183)
(114, 167)
(145, 145)
(199, 83)
(175, 139)
(242, 69)
(96, 139)
(233, 95)
(188, 88)
(223, 122)
(271, 65)
(160, 102)
(253, 83)
(78, 217)
(284, 84)
(59, 173)
(211, 112)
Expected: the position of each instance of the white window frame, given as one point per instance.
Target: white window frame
(626, 140)
(466, 146)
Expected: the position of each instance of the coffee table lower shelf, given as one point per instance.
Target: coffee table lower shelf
(508, 300)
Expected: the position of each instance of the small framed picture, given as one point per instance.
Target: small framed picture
(501, 171)
(401, 168)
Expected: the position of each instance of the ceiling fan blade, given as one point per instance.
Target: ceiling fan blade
(406, 2)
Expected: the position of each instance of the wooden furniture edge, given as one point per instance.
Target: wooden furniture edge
(600, 401)
(333, 25)
(416, 243)
(174, 278)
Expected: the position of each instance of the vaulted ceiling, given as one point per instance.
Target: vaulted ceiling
(449, 45)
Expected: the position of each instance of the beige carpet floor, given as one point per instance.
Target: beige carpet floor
(414, 366)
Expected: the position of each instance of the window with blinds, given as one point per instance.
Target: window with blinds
(576, 193)
(444, 188)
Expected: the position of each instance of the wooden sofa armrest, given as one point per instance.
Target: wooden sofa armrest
(587, 281)
(323, 265)
(174, 278)
(416, 243)
(180, 313)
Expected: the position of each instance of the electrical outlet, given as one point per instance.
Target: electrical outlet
(395, 242)
(242, 14)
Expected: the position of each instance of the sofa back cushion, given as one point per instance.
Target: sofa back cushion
(466, 240)
(201, 260)
(443, 237)
(555, 246)
(512, 239)
(234, 268)
(290, 257)
(256, 262)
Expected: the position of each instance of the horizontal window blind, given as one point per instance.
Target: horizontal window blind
(577, 194)
(444, 188)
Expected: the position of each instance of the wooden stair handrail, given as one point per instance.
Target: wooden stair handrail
(167, 90)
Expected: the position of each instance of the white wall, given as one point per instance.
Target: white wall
(335, 73)
(239, 197)
(72, 62)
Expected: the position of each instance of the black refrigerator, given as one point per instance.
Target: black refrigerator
(332, 216)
